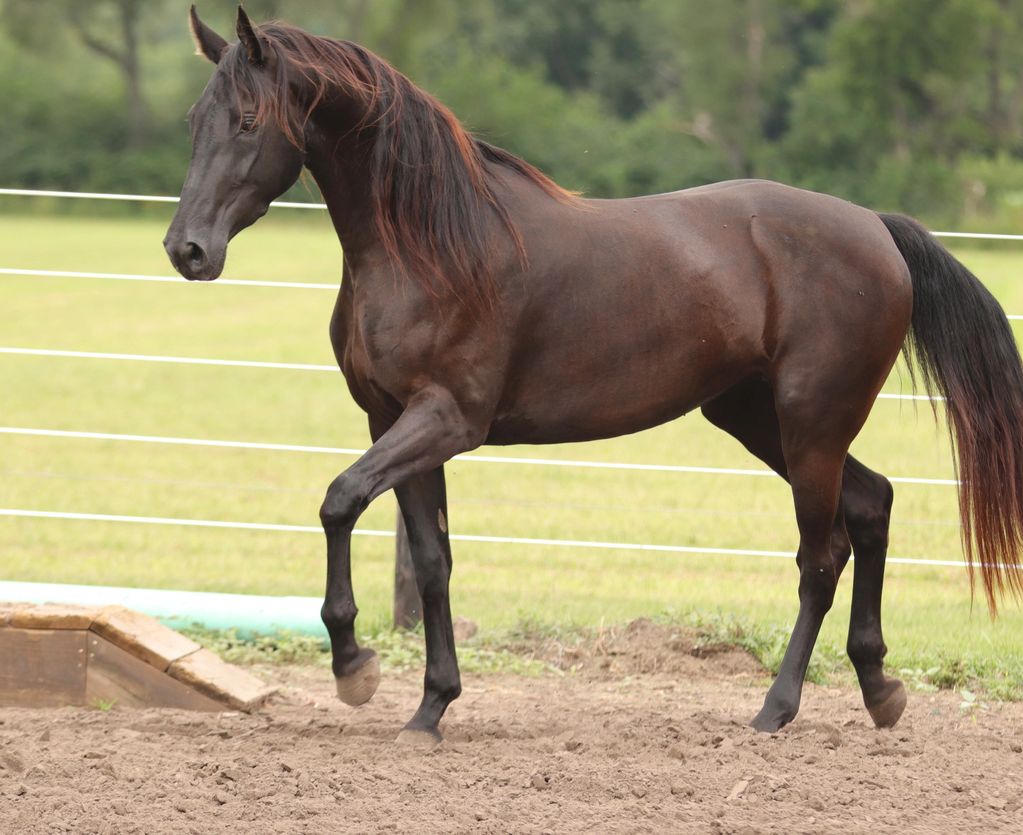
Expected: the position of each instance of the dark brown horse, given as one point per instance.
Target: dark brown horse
(481, 303)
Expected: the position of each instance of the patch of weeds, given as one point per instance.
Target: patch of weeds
(918, 679)
(949, 674)
(968, 676)
(399, 650)
(1005, 688)
(104, 705)
(403, 650)
(968, 701)
(278, 648)
(531, 630)
(473, 659)
(765, 642)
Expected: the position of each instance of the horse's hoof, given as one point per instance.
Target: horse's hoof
(771, 719)
(766, 725)
(358, 687)
(418, 739)
(887, 710)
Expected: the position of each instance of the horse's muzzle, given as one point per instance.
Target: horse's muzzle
(191, 260)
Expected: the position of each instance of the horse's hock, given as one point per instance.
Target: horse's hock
(55, 655)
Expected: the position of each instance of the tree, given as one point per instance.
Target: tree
(111, 29)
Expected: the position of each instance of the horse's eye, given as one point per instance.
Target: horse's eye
(248, 122)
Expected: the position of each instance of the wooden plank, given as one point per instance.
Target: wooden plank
(208, 674)
(53, 616)
(42, 667)
(142, 636)
(6, 610)
(115, 675)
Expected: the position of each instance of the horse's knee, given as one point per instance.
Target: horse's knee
(342, 504)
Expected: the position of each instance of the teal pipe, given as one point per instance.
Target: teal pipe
(249, 614)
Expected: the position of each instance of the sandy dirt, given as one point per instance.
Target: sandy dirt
(644, 737)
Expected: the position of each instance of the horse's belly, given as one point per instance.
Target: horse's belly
(564, 404)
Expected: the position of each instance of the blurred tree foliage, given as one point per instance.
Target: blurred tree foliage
(914, 105)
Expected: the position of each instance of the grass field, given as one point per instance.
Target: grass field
(928, 611)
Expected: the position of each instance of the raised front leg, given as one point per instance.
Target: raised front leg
(423, 503)
(431, 430)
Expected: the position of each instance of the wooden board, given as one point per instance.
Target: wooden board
(116, 676)
(52, 616)
(208, 674)
(6, 610)
(143, 636)
(42, 667)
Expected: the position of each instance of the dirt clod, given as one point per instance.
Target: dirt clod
(738, 790)
(682, 790)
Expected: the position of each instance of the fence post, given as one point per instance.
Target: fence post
(408, 608)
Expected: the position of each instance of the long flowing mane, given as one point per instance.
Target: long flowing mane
(431, 191)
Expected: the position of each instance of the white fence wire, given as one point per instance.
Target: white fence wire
(478, 459)
(499, 540)
(285, 366)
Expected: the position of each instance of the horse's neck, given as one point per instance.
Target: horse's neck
(338, 161)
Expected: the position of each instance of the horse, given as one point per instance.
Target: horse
(481, 303)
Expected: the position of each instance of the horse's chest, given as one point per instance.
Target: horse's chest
(364, 365)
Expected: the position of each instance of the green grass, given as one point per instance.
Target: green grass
(930, 620)
(399, 650)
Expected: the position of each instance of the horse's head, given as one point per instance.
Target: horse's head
(243, 154)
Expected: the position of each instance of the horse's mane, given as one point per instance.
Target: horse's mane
(431, 190)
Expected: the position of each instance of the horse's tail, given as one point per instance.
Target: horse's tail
(964, 347)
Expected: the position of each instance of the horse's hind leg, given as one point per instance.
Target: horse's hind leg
(815, 442)
(867, 501)
(747, 413)
(814, 470)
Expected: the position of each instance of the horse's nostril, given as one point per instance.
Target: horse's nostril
(194, 253)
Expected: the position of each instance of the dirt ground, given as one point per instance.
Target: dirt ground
(644, 737)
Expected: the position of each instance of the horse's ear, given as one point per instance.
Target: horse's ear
(250, 40)
(207, 42)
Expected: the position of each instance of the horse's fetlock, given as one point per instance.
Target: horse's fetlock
(338, 614)
(445, 691)
(865, 650)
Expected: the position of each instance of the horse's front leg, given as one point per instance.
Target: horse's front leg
(423, 502)
(432, 429)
